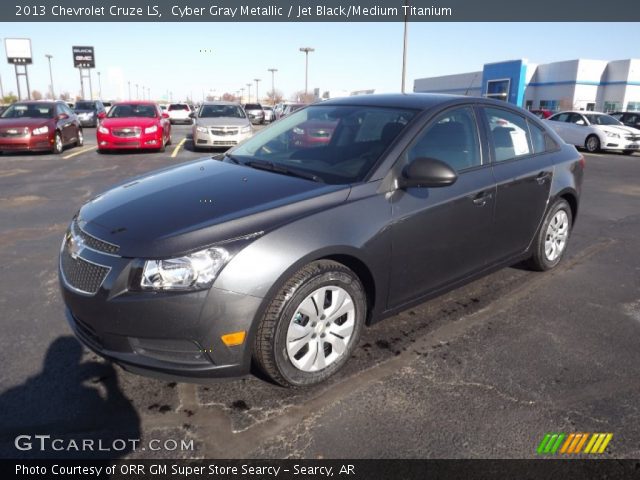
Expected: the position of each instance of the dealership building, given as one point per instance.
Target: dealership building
(570, 85)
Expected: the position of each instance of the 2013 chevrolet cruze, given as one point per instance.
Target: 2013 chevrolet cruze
(281, 253)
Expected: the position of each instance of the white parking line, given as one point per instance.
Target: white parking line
(174, 154)
(79, 152)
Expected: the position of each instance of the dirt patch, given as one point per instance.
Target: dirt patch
(16, 235)
(22, 201)
(12, 172)
(632, 190)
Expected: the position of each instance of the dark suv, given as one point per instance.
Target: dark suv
(88, 112)
(630, 119)
(255, 112)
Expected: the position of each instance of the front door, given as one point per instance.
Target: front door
(442, 234)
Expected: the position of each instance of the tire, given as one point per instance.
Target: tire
(628, 152)
(169, 140)
(276, 356)
(57, 144)
(592, 144)
(544, 257)
(80, 140)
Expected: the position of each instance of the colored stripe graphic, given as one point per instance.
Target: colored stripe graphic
(573, 443)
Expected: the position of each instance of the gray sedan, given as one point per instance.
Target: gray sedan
(220, 125)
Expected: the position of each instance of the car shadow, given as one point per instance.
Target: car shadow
(74, 401)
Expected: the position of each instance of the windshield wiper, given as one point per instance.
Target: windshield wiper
(272, 167)
(233, 159)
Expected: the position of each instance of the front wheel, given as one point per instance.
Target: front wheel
(57, 144)
(628, 152)
(592, 144)
(80, 138)
(553, 237)
(312, 325)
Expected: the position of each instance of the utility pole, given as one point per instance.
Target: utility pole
(129, 84)
(404, 46)
(273, 88)
(242, 95)
(257, 96)
(53, 95)
(306, 51)
(249, 92)
(137, 92)
(99, 86)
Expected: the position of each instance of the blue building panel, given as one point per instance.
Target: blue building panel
(515, 71)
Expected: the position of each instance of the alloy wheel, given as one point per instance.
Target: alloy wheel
(556, 235)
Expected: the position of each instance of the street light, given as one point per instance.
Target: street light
(242, 95)
(257, 96)
(306, 51)
(137, 92)
(99, 86)
(273, 88)
(129, 84)
(404, 47)
(49, 57)
(249, 92)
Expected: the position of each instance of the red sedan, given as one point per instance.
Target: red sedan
(313, 133)
(134, 125)
(39, 126)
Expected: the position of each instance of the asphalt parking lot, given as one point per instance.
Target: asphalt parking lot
(483, 371)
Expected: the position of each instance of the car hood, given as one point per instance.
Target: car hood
(128, 122)
(23, 122)
(222, 122)
(195, 205)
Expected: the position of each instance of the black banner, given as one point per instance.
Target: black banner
(319, 11)
(322, 469)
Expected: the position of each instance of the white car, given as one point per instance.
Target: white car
(180, 113)
(220, 125)
(595, 131)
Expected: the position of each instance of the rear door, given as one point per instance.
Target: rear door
(523, 174)
(440, 235)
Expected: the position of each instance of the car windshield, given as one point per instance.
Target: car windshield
(336, 144)
(29, 110)
(600, 119)
(132, 110)
(85, 106)
(178, 106)
(252, 106)
(215, 111)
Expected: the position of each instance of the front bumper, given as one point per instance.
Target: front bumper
(29, 143)
(164, 334)
(144, 141)
(213, 140)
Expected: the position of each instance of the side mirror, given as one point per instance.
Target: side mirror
(101, 115)
(427, 172)
(165, 115)
(63, 116)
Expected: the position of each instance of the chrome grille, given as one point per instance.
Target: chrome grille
(81, 275)
(14, 132)
(131, 132)
(225, 143)
(633, 138)
(93, 242)
(221, 132)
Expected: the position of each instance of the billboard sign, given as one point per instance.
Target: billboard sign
(83, 57)
(18, 50)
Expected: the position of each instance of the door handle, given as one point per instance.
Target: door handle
(481, 198)
(543, 177)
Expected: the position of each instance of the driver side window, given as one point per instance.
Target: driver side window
(452, 138)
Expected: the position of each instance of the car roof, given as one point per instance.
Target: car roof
(420, 101)
(582, 112)
(219, 102)
(135, 102)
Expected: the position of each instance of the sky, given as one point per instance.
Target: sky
(201, 59)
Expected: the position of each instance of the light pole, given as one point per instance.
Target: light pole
(137, 92)
(148, 93)
(242, 95)
(99, 86)
(273, 88)
(257, 96)
(404, 47)
(49, 57)
(306, 51)
(249, 92)
(129, 84)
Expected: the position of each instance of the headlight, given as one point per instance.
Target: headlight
(298, 131)
(191, 272)
(246, 129)
(202, 129)
(612, 135)
(41, 130)
(151, 129)
(102, 129)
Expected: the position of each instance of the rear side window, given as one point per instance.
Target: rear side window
(537, 138)
(452, 138)
(509, 134)
(561, 117)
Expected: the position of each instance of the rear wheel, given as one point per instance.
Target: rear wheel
(628, 152)
(312, 325)
(553, 237)
(57, 144)
(80, 140)
(592, 144)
